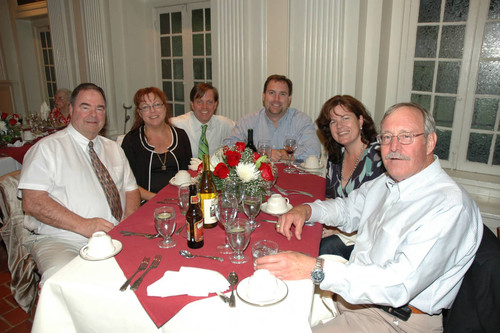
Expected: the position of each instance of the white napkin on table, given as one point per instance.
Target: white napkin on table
(195, 162)
(44, 111)
(190, 281)
(18, 143)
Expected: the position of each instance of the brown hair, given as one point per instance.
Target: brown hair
(200, 89)
(139, 97)
(279, 78)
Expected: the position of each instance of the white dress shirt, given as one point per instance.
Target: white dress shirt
(60, 165)
(416, 240)
(219, 127)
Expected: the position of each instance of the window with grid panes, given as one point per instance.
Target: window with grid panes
(456, 76)
(185, 51)
(48, 69)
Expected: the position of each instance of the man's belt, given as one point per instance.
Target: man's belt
(403, 312)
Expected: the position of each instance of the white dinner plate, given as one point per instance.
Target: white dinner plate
(174, 183)
(116, 243)
(242, 291)
(302, 166)
(263, 207)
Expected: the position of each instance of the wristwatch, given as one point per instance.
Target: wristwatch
(317, 275)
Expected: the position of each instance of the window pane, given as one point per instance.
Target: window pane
(179, 91)
(51, 57)
(164, 23)
(208, 41)
(456, 10)
(165, 46)
(444, 109)
(167, 88)
(47, 73)
(52, 73)
(177, 46)
(179, 109)
(485, 111)
(198, 47)
(496, 154)
(209, 69)
(494, 11)
(198, 69)
(197, 20)
(45, 57)
(452, 41)
(423, 72)
(178, 70)
(166, 69)
(426, 42)
(422, 100)
(491, 42)
(488, 81)
(429, 11)
(207, 20)
(442, 149)
(176, 23)
(43, 39)
(447, 77)
(479, 147)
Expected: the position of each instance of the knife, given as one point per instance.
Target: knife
(288, 192)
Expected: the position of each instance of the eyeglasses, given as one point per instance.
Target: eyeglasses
(148, 108)
(403, 138)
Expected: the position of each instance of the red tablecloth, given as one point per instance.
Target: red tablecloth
(135, 248)
(16, 153)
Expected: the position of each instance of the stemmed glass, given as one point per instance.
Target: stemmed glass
(238, 236)
(264, 148)
(251, 205)
(290, 145)
(226, 210)
(236, 188)
(165, 225)
(183, 198)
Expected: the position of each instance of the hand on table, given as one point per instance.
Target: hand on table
(96, 224)
(297, 217)
(288, 265)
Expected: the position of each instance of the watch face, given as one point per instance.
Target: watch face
(317, 276)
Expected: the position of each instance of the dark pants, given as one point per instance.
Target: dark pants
(334, 245)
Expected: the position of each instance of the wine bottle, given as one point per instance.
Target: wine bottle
(194, 220)
(207, 195)
(250, 143)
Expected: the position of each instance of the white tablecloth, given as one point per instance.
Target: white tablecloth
(84, 297)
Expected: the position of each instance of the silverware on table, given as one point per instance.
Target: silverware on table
(166, 200)
(223, 297)
(269, 221)
(233, 280)
(154, 264)
(188, 254)
(178, 231)
(290, 191)
(131, 233)
(142, 266)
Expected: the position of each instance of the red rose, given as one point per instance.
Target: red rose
(12, 121)
(255, 157)
(240, 146)
(233, 158)
(200, 167)
(16, 116)
(4, 115)
(221, 171)
(266, 172)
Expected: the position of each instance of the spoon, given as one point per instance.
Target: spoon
(188, 254)
(233, 280)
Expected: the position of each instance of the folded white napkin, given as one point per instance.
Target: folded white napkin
(18, 143)
(190, 281)
(195, 162)
(44, 111)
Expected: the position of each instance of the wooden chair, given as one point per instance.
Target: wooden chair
(24, 279)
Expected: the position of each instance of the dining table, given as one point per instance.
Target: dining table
(84, 295)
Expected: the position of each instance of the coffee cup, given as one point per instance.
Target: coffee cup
(312, 162)
(28, 135)
(182, 177)
(262, 286)
(100, 245)
(277, 203)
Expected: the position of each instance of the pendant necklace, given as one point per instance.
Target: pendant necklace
(355, 164)
(163, 162)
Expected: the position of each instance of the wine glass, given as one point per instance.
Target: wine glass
(234, 187)
(165, 225)
(238, 236)
(183, 198)
(290, 145)
(264, 148)
(226, 209)
(251, 205)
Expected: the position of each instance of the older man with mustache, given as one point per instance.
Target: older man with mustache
(418, 232)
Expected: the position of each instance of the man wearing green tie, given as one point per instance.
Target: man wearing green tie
(205, 129)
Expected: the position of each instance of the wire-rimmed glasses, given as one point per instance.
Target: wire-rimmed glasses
(405, 138)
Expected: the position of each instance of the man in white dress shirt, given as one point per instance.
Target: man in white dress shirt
(63, 198)
(418, 232)
(204, 102)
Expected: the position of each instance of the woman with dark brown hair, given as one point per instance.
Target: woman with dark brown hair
(349, 135)
(155, 150)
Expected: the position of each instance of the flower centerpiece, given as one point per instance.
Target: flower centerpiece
(241, 164)
(10, 128)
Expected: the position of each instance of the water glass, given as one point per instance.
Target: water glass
(183, 195)
(238, 236)
(264, 147)
(226, 210)
(252, 201)
(263, 248)
(165, 225)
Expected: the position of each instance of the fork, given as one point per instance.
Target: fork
(154, 264)
(131, 233)
(142, 266)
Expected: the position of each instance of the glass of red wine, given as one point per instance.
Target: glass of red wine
(290, 145)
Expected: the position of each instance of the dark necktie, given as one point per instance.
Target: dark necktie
(107, 183)
(203, 144)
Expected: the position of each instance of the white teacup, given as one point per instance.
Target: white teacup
(262, 286)
(312, 162)
(277, 203)
(100, 245)
(28, 135)
(182, 177)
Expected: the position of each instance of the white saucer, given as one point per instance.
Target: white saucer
(263, 208)
(302, 166)
(172, 182)
(242, 292)
(116, 243)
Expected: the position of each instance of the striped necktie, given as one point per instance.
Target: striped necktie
(107, 183)
(203, 144)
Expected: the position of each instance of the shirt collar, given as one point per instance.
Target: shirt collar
(82, 140)
(197, 124)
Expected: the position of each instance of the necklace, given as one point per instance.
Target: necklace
(164, 162)
(355, 164)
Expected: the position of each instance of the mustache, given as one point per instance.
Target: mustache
(396, 156)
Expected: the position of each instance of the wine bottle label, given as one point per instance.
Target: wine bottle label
(208, 208)
(197, 231)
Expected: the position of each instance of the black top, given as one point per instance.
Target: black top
(145, 162)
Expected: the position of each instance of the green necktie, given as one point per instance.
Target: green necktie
(203, 145)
